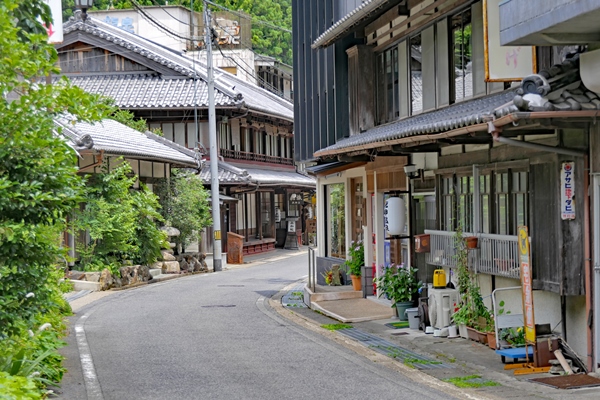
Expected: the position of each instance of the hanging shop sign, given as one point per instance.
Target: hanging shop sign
(503, 63)
(567, 190)
(526, 284)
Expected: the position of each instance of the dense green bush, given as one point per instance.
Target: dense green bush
(185, 205)
(121, 221)
(38, 188)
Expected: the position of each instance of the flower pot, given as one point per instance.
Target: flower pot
(462, 331)
(356, 282)
(491, 339)
(472, 334)
(482, 337)
(471, 242)
(402, 307)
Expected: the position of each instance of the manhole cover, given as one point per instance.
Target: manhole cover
(569, 381)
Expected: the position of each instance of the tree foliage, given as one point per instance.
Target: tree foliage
(38, 181)
(185, 205)
(121, 221)
(266, 39)
(39, 187)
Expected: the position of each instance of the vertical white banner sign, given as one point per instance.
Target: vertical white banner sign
(567, 190)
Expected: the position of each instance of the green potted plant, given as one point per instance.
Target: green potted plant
(399, 284)
(355, 259)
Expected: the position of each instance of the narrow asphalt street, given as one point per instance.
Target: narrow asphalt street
(215, 336)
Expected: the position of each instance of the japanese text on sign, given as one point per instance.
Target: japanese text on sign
(567, 190)
(526, 285)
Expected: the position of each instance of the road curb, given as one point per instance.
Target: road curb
(410, 373)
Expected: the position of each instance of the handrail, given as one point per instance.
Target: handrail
(242, 155)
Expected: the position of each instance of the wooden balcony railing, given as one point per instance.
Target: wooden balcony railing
(495, 254)
(242, 155)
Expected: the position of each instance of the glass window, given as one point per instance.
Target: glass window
(486, 207)
(504, 198)
(521, 198)
(502, 204)
(461, 55)
(416, 76)
(336, 223)
(266, 218)
(465, 203)
(388, 107)
(448, 203)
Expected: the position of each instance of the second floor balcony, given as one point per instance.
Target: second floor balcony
(242, 155)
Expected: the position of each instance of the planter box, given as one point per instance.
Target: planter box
(472, 333)
(491, 340)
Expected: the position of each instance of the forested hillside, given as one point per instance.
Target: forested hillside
(266, 39)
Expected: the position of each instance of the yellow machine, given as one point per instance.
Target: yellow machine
(439, 279)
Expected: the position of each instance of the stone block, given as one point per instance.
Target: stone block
(85, 285)
(168, 256)
(171, 267)
(76, 275)
(92, 276)
(106, 280)
(156, 271)
(157, 265)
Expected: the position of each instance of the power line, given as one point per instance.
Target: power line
(257, 20)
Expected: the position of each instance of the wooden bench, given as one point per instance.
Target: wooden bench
(259, 246)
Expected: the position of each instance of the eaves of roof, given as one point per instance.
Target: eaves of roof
(344, 25)
(116, 139)
(557, 92)
(460, 115)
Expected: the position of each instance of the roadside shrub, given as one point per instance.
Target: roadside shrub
(121, 221)
(185, 205)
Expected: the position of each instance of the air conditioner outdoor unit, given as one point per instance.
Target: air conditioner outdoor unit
(441, 306)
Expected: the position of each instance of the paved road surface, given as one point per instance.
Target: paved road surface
(214, 336)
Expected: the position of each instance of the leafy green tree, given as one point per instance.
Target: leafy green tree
(127, 118)
(38, 181)
(121, 221)
(185, 205)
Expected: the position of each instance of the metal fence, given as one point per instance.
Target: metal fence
(495, 254)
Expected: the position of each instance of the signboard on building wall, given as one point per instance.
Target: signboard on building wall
(567, 190)
(55, 30)
(526, 284)
(503, 63)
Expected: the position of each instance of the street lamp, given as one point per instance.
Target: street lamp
(83, 5)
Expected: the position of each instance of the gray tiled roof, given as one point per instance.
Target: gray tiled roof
(143, 91)
(228, 174)
(559, 88)
(279, 177)
(452, 117)
(117, 139)
(148, 92)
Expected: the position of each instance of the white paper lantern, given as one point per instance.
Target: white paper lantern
(394, 216)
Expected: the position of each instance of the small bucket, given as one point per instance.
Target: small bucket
(413, 317)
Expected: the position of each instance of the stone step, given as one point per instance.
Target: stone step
(353, 294)
(85, 285)
(155, 271)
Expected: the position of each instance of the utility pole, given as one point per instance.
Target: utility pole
(212, 132)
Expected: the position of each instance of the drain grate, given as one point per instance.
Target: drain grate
(294, 298)
(391, 350)
(219, 306)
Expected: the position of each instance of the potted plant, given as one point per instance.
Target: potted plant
(354, 262)
(399, 284)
